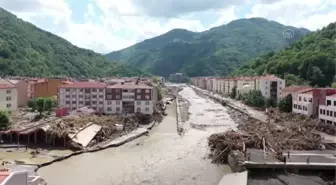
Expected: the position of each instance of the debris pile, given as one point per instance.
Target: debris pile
(282, 132)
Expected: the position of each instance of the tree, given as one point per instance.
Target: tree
(48, 104)
(32, 104)
(255, 98)
(159, 93)
(286, 104)
(4, 119)
(233, 93)
(271, 102)
(41, 105)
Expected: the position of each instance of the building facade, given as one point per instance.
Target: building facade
(22, 89)
(327, 112)
(44, 87)
(8, 97)
(121, 98)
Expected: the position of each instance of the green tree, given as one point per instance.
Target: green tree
(233, 93)
(41, 105)
(32, 104)
(4, 119)
(255, 98)
(48, 104)
(159, 92)
(271, 102)
(286, 104)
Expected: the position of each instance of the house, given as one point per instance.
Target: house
(327, 112)
(8, 97)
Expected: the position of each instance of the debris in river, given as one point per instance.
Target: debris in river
(282, 132)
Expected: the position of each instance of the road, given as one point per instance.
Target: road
(164, 157)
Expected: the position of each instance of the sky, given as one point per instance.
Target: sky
(109, 25)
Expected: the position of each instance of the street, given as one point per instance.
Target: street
(164, 157)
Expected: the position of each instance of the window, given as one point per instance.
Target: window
(109, 97)
(323, 112)
(327, 113)
(147, 102)
(81, 90)
(125, 90)
(67, 96)
(117, 90)
(146, 109)
(67, 102)
(295, 106)
(87, 91)
(101, 103)
(94, 96)
(73, 108)
(320, 111)
(109, 90)
(109, 102)
(80, 103)
(131, 97)
(334, 103)
(310, 100)
(117, 102)
(138, 109)
(304, 99)
(299, 98)
(8, 105)
(100, 90)
(138, 90)
(73, 102)
(67, 90)
(80, 96)
(328, 102)
(8, 98)
(94, 108)
(147, 97)
(138, 103)
(94, 90)
(147, 91)
(118, 109)
(101, 96)
(109, 109)
(74, 96)
(117, 96)
(138, 97)
(335, 114)
(87, 103)
(94, 102)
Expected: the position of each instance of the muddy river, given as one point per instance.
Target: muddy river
(164, 157)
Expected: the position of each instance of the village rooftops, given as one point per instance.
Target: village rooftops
(84, 85)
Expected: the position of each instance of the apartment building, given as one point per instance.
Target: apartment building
(294, 90)
(44, 87)
(8, 97)
(22, 89)
(327, 112)
(246, 84)
(109, 99)
(309, 102)
(270, 86)
(80, 94)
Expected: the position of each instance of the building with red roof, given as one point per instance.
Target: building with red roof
(8, 96)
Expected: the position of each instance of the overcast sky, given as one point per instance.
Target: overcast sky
(108, 25)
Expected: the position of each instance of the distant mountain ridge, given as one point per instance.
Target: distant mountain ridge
(26, 50)
(217, 51)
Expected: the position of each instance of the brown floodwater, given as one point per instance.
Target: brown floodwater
(164, 157)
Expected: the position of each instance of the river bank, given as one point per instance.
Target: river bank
(164, 157)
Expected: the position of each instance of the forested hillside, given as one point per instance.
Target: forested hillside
(217, 51)
(29, 51)
(311, 60)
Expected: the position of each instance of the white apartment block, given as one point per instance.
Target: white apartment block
(270, 86)
(303, 104)
(8, 97)
(119, 98)
(327, 112)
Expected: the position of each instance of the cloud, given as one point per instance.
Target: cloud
(110, 25)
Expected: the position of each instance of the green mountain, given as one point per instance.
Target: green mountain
(311, 60)
(29, 51)
(217, 51)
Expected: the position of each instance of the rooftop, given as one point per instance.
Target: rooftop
(6, 86)
(295, 88)
(84, 85)
(130, 86)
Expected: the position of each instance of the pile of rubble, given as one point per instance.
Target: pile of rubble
(282, 132)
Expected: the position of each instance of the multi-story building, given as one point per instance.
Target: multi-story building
(294, 91)
(109, 99)
(270, 86)
(22, 89)
(327, 112)
(80, 94)
(44, 87)
(8, 97)
(308, 102)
